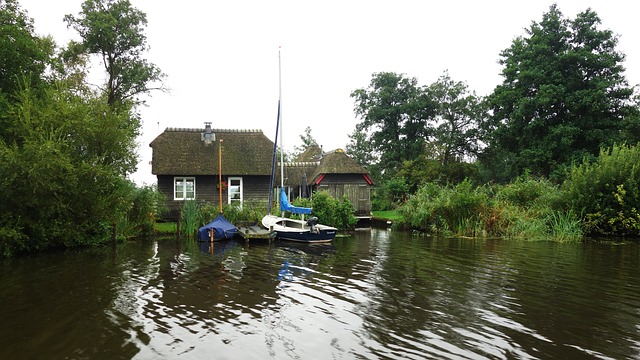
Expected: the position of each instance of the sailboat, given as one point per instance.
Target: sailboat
(308, 231)
(219, 228)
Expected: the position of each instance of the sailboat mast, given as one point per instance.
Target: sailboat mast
(280, 124)
(220, 173)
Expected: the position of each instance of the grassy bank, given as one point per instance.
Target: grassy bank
(392, 215)
(165, 227)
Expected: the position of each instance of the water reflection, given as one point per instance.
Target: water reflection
(376, 294)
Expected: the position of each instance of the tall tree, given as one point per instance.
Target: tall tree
(307, 141)
(395, 112)
(564, 95)
(22, 53)
(114, 30)
(360, 149)
(458, 115)
(23, 59)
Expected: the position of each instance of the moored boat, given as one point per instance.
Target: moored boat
(308, 231)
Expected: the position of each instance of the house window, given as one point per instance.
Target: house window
(184, 188)
(235, 191)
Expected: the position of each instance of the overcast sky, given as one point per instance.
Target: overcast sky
(221, 57)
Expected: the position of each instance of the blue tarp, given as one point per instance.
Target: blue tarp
(286, 206)
(222, 229)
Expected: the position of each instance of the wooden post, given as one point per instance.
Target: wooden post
(178, 224)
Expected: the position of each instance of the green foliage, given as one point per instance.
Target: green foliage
(65, 151)
(394, 114)
(307, 141)
(249, 213)
(528, 209)
(457, 115)
(408, 129)
(142, 208)
(189, 218)
(390, 194)
(114, 30)
(606, 193)
(360, 149)
(387, 214)
(531, 192)
(23, 55)
(563, 96)
(194, 214)
(443, 209)
(330, 211)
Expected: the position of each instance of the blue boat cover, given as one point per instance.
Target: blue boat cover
(222, 229)
(286, 206)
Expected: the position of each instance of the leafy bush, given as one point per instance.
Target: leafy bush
(330, 211)
(390, 194)
(529, 209)
(445, 209)
(141, 208)
(606, 192)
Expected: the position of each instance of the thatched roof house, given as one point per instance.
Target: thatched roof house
(179, 151)
(186, 164)
(334, 172)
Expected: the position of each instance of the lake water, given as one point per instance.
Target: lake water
(377, 294)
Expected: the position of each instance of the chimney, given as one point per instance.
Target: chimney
(207, 136)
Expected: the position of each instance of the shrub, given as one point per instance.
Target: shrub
(390, 194)
(445, 209)
(330, 211)
(606, 192)
(527, 209)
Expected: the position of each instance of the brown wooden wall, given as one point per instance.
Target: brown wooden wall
(354, 186)
(255, 190)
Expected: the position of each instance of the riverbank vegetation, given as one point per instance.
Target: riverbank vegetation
(66, 147)
(550, 154)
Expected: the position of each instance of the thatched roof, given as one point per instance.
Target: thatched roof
(332, 162)
(293, 173)
(182, 152)
(338, 162)
(312, 153)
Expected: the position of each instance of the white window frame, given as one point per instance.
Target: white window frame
(229, 193)
(184, 179)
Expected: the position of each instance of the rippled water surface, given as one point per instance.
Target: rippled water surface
(375, 295)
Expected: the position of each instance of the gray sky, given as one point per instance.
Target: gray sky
(221, 57)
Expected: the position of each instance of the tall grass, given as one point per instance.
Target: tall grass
(189, 218)
(527, 209)
(194, 215)
(565, 226)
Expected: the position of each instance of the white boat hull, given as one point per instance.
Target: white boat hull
(298, 230)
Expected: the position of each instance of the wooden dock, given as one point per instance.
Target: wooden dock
(254, 232)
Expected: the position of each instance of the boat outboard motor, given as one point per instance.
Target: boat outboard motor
(312, 222)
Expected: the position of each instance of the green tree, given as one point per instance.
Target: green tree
(114, 30)
(23, 59)
(359, 148)
(307, 141)
(65, 150)
(395, 113)
(458, 116)
(564, 95)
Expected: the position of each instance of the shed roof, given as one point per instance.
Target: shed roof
(332, 162)
(181, 151)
